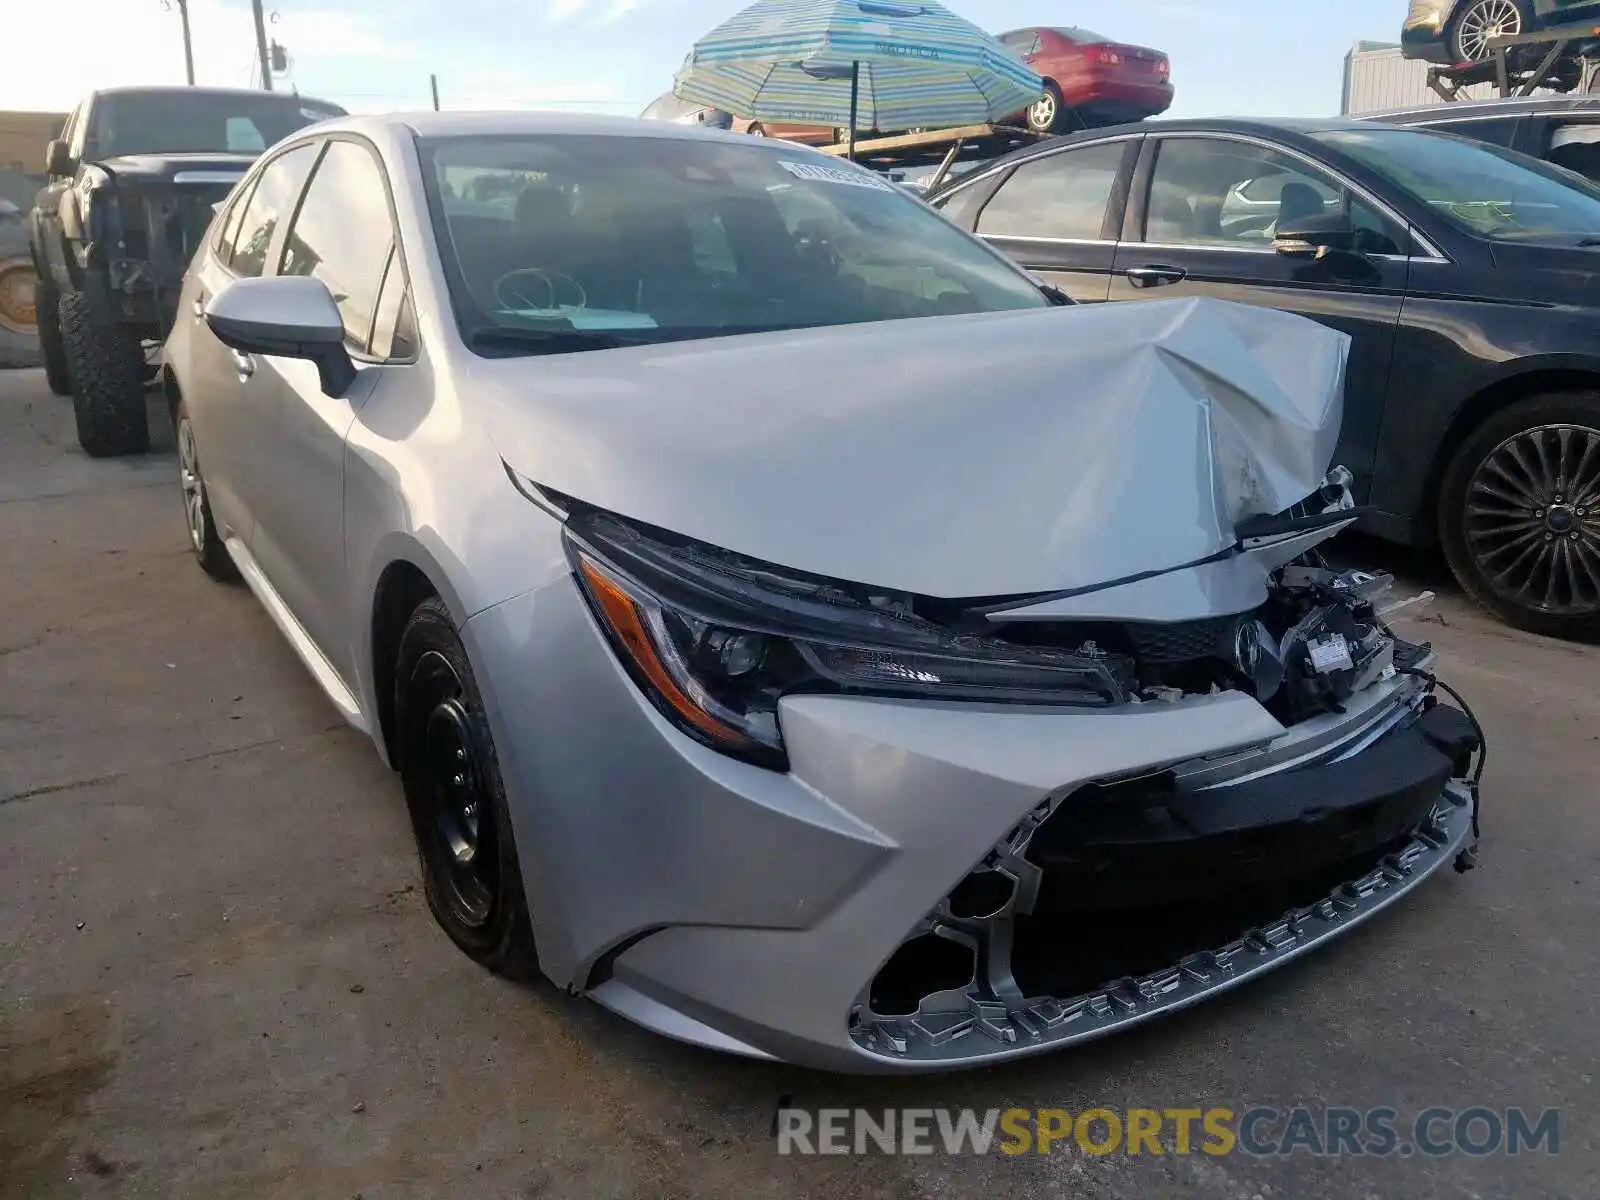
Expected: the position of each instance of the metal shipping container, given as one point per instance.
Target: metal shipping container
(1377, 79)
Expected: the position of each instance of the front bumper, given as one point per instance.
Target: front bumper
(755, 912)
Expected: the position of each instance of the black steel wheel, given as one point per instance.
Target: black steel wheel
(204, 539)
(1521, 515)
(471, 873)
(1482, 21)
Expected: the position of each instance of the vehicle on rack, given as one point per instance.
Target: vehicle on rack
(1463, 31)
(1563, 130)
(668, 107)
(877, 719)
(1462, 272)
(1089, 79)
(132, 182)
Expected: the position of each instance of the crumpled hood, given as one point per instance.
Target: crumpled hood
(972, 456)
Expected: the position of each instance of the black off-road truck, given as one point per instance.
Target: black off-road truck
(132, 186)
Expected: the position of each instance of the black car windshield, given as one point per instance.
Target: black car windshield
(650, 239)
(1485, 190)
(198, 122)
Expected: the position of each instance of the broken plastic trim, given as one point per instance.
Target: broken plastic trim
(1004, 1022)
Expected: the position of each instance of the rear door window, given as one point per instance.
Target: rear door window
(1064, 195)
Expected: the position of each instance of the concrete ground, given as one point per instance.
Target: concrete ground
(218, 977)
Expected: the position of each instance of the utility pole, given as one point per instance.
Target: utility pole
(261, 43)
(188, 43)
(433, 81)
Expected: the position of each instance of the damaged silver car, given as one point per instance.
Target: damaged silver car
(792, 627)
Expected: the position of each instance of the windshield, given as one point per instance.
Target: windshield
(181, 122)
(648, 239)
(1485, 190)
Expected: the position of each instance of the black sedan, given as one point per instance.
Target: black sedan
(1458, 31)
(1467, 275)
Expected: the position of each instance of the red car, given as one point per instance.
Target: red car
(1089, 80)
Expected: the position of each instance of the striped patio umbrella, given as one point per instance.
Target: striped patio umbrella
(861, 64)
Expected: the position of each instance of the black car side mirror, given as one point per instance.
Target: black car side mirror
(58, 159)
(1315, 236)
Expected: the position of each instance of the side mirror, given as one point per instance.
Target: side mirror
(289, 316)
(58, 159)
(1315, 236)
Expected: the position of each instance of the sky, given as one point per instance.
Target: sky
(1230, 57)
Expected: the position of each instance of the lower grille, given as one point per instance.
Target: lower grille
(1183, 641)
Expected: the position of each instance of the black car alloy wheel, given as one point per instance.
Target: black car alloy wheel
(1532, 520)
(456, 817)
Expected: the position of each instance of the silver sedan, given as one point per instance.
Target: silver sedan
(793, 626)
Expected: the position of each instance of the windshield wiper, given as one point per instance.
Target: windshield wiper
(514, 339)
(1588, 242)
(1054, 294)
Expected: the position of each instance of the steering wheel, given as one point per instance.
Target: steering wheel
(530, 287)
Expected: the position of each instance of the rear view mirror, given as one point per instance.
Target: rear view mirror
(287, 316)
(1315, 236)
(58, 159)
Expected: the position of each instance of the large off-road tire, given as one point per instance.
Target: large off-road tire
(19, 291)
(48, 313)
(204, 540)
(105, 364)
(470, 871)
(1519, 515)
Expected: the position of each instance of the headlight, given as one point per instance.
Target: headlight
(716, 641)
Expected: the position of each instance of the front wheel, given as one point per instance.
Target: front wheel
(105, 363)
(1520, 515)
(470, 870)
(1482, 21)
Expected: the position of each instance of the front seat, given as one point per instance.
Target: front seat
(1298, 201)
(543, 238)
(1171, 218)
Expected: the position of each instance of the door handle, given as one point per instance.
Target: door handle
(244, 364)
(1148, 277)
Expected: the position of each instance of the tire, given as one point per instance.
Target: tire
(756, 131)
(1478, 20)
(48, 307)
(209, 551)
(1048, 114)
(19, 300)
(104, 363)
(470, 871)
(1517, 491)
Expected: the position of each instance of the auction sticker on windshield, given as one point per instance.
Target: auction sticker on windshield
(824, 174)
